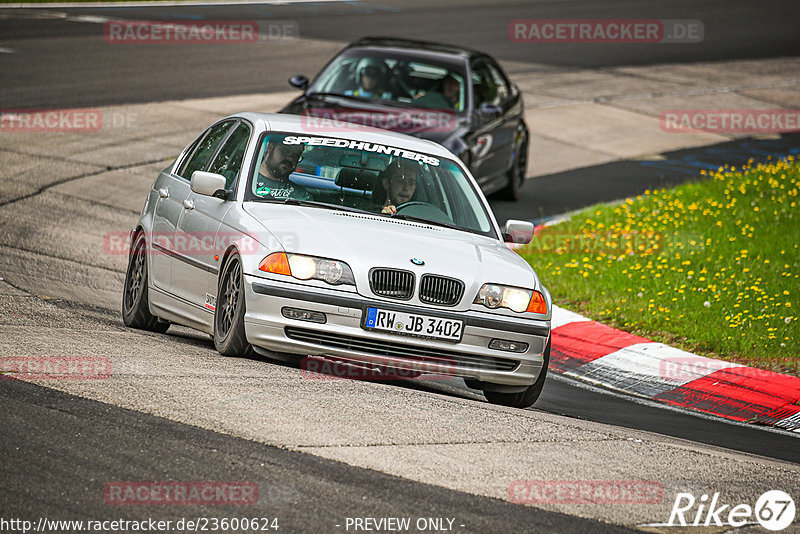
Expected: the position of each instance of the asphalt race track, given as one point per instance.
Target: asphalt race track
(171, 416)
(313, 496)
(87, 72)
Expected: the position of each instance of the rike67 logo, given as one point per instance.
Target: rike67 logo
(774, 510)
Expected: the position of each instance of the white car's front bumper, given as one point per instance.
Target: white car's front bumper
(343, 336)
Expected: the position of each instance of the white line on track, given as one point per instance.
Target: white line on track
(7, 51)
(88, 18)
(167, 3)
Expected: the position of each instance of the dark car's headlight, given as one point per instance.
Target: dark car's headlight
(303, 267)
(516, 299)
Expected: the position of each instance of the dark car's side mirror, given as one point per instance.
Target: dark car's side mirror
(299, 81)
(487, 108)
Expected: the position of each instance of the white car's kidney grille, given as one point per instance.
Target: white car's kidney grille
(392, 283)
(440, 290)
(401, 351)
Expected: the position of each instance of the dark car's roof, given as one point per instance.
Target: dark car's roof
(410, 44)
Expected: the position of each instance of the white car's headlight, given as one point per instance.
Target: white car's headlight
(303, 267)
(519, 300)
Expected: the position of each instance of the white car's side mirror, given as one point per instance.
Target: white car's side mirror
(209, 184)
(519, 232)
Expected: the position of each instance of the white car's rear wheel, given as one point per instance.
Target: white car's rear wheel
(135, 304)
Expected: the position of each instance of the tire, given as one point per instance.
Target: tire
(135, 303)
(516, 175)
(229, 336)
(527, 398)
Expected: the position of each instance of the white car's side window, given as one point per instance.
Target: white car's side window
(228, 161)
(187, 155)
(198, 160)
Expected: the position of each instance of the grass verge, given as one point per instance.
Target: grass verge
(710, 266)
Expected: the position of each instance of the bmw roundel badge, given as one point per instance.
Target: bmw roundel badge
(417, 261)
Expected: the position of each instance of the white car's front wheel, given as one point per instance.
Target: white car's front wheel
(529, 396)
(229, 336)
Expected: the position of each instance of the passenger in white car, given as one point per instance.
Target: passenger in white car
(399, 182)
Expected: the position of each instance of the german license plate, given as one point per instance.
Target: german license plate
(413, 324)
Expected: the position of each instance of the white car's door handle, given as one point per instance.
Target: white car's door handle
(188, 204)
(163, 192)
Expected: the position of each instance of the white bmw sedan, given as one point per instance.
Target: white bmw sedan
(368, 247)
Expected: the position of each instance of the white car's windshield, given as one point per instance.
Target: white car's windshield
(371, 177)
(406, 80)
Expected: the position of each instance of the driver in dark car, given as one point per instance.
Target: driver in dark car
(399, 183)
(370, 77)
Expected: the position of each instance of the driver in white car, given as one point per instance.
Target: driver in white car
(279, 162)
(400, 183)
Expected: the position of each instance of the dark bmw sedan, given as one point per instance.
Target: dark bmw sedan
(454, 96)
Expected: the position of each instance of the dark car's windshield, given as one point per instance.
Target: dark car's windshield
(419, 82)
(369, 177)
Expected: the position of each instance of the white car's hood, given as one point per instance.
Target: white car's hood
(365, 241)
